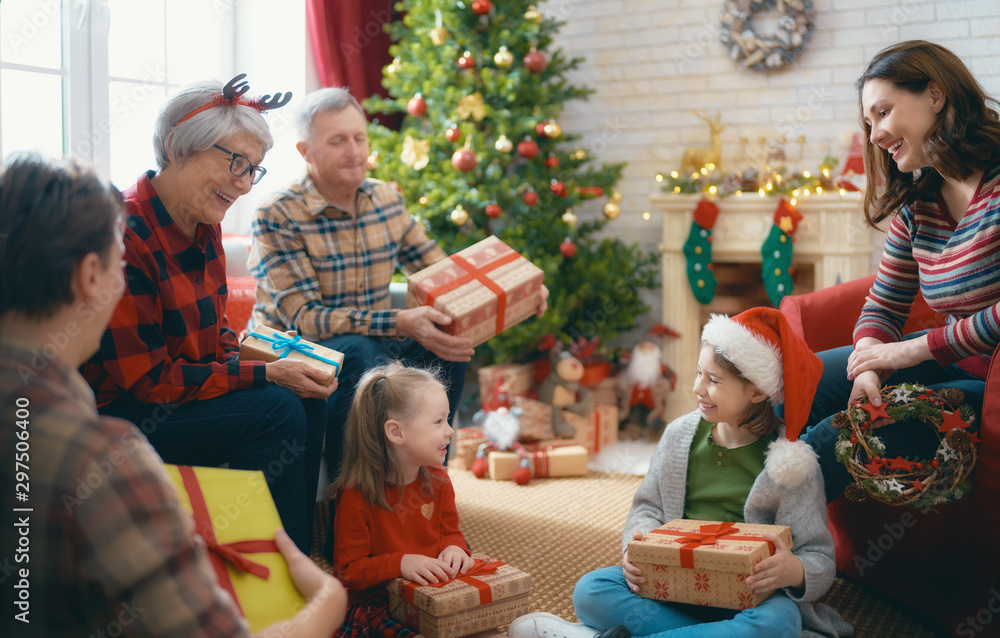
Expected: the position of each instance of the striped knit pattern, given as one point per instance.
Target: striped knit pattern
(956, 268)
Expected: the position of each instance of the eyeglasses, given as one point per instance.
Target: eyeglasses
(240, 166)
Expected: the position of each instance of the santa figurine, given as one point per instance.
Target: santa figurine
(645, 383)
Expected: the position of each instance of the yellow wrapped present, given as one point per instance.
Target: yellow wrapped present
(234, 513)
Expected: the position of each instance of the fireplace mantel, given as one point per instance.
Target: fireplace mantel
(832, 236)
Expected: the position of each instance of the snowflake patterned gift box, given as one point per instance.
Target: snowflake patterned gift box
(489, 595)
(485, 289)
(704, 562)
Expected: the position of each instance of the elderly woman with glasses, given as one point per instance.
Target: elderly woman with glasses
(169, 359)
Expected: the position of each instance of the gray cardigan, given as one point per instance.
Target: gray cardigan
(788, 492)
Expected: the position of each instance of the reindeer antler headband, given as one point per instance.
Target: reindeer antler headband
(232, 96)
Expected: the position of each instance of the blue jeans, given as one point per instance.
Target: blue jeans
(602, 600)
(362, 353)
(269, 429)
(901, 439)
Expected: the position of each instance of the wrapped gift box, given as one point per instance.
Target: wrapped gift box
(597, 431)
(546, 459)
(514, 379)
(485, 289)
(704, 562)
(488, 596)
(467, 442)
(234, 513)
(606, 392)
(268, 344)
(536, 419)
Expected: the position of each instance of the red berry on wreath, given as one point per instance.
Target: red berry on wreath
(535, 61)
(551, 161)
(935, 463)
(528, 148)
(854, 440)
(453, 134)
(464, 160)
(559, 189)
(919, 466)
(417, 106)
(530, 198)
(493, 210)
(567, 248)
(481, 7)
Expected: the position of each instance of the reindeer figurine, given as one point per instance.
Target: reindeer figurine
(695, 158)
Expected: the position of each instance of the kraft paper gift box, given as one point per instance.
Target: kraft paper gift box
(536, 419)
(546, 459)
(515, 379)
(235, 515)
(485, 289)
(268, 344)
(488, 596)
(704, 562)
(606, 392)
(597, 431)
(467, 442)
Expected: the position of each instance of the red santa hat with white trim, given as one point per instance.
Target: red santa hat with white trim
(762, 345)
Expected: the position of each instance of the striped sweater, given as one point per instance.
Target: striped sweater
(955, 267)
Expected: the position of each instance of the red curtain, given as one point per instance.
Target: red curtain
(348, 43)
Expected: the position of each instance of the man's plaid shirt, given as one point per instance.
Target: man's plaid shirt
(323, 272)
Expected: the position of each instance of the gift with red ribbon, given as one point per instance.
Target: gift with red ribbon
(490, 594)
(704, 562)
(596, 431)
(234, 513)
(485, 289)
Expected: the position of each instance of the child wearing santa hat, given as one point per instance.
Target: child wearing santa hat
(730, 460)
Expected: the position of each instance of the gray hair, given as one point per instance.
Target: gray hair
(321, 101)
(205, 128)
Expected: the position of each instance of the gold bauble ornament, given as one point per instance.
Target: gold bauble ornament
(616, 196)
(393, 68)
(439, 35)
(503, 58)
(552, 129)
(533, 14)
(503, 144)
(569, 217)
(578, 154)
(459, 216)
(612, 210)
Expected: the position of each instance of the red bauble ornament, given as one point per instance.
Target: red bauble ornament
(417, 105)
(481, 7)
(528, 148)
(567, 248)
(464, 160)
(540, 129)
(530, 198)
(453, 134)
(467, 61)
(551, 161)
(559, 189)
(535, 61)
(493, 210)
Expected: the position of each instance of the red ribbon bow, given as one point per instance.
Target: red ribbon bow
(480, 568)
(708, 535)
(222, 553)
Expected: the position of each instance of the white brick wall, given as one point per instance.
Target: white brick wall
(653, 61)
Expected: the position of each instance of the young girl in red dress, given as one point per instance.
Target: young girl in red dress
(396, 512)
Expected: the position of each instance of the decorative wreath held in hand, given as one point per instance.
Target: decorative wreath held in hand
(762, 52)
(920, 483)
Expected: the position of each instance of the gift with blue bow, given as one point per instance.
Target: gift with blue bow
(268, 344)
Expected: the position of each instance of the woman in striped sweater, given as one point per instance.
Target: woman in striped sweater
(933, 158)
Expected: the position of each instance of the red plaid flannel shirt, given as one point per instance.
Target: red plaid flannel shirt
(169, 339)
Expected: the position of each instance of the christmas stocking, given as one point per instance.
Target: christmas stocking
(698, 251)
(776, 253)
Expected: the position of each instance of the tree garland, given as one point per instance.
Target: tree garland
(766, 52)
(920, 483)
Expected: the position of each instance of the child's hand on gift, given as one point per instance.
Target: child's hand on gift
(424, 570)
(456, 559)
(633, 575)
(783, 569)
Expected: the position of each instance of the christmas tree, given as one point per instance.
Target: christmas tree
(480, 152)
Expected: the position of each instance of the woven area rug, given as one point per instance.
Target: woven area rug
(559, 529)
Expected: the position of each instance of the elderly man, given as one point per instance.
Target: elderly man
(325, 249)
(96, 541)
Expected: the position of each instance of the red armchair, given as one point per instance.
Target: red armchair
(945, 564)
